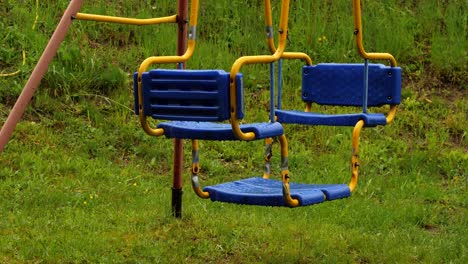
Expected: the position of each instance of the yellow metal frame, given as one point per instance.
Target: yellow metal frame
(358, 33)
(285, 173)
(235, 69)
(283, 25)
(272, 47)
(196, 170)
(354, 160)
(165, 60)
(270, 40)
(358, 37)
(151, 60)
(291, 202)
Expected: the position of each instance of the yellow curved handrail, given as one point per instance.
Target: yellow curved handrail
(354, 160)
(251, 60)
(270, 40)
(358, 38)
(285, 173)
(164, 60)
(373, 55)
(195, 170)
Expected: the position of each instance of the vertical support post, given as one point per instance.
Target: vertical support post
(182, 15)
(36, 76)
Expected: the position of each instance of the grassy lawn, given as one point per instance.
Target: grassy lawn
(81, 182)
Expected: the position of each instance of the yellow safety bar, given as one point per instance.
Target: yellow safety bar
(285, 173)
(195, 170)
(165, 60)
(373, 55)
(354, 160)
(359, 43)
(270, 40)
(252, 60)
(125, 20)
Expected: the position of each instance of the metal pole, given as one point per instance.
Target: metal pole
(36, 76)
(365, 92)
(182, 15)
(272, 92)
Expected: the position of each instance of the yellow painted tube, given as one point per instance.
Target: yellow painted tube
(285, 173)
(297, 56)
(198, 191)
(143, 67)
(308, 107)
(358, 32)
(358, 37)
(284, 145)
(195, 163)
(354, 160)
(164, 60)
(195, 170)
(391, 114)
(125, 20)
(270, 40)
(255, 60)
(286, 191)
(269, 24)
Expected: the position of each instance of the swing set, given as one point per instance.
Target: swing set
(193, 105)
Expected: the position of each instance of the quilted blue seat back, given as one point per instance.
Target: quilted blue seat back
(187, 95)
(342, 84)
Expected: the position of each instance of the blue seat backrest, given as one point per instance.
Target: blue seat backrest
(187, 95)
(342, 84)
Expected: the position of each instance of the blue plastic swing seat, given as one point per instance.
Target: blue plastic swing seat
(194, 101)
(342, 85)
(308, 118)
(217, 131)
(269, 192)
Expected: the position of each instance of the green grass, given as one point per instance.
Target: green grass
(81, 182)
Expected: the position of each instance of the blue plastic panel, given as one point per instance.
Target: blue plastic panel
(268, 192)
(342, 84)
(305, 118)
(217, 131)
(187, 95)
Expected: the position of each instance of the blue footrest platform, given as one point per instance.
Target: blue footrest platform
(268, 192)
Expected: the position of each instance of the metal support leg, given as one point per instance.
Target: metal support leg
(38, 72)
(182, 15)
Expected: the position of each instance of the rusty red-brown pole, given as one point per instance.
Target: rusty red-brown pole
(182, 16)
(36, 76)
